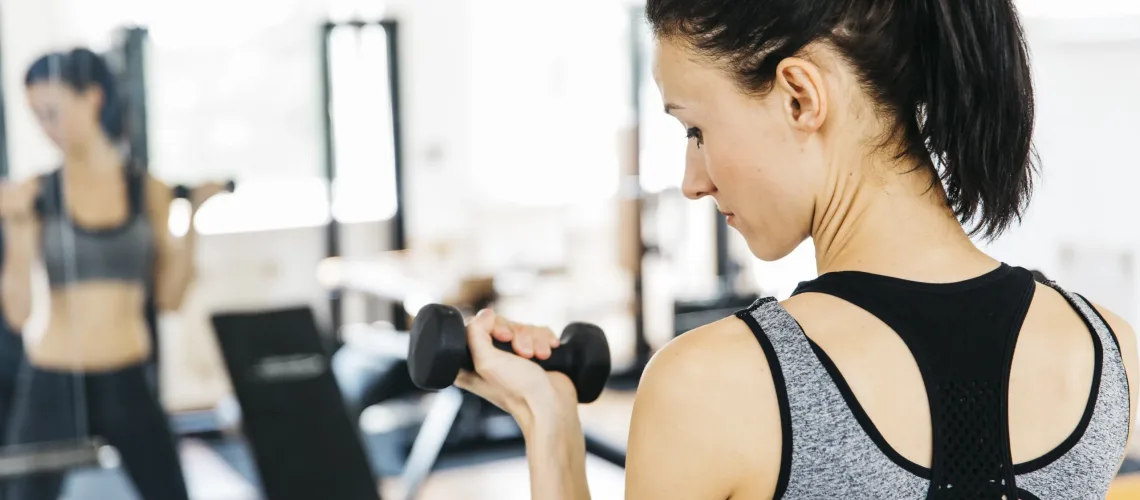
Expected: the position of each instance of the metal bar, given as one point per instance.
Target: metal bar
(4, 168)
(429, 441)
(332, 229)
(725, 266)
(22, 460)
(642, 349)
(134, 55)
(604, 450)
(397, 224)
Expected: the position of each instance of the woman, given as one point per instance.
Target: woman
(98, 229)
(915, 366)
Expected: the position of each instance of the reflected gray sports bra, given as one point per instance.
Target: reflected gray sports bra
(73, 254)
(962, 337)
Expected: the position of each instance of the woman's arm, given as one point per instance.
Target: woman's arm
(20, 257)
(556, 447)
(21, 250)
(706, 423)
(175, 267)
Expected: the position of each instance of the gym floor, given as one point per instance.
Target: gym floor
(224, 469)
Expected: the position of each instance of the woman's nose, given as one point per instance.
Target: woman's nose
(697, 183)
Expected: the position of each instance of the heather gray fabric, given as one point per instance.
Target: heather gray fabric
(1087, 469)
(834, 457)
(73, 254)
(831, 455)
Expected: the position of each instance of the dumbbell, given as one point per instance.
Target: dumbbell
(438, 350)
(183, 191)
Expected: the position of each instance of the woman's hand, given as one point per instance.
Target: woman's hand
(18, 200)
(512, 381)
(201, 193)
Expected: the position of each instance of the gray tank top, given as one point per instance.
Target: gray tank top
(73, 254)
(832, 450)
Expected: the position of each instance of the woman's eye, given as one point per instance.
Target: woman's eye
(695, 133)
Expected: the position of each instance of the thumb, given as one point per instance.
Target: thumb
(479, 335)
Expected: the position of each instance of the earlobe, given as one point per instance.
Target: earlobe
(806, 98)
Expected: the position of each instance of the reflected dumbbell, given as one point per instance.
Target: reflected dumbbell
(438, 350)
(183, 191)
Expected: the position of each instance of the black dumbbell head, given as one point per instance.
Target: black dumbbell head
(592, 356)
(437, 348)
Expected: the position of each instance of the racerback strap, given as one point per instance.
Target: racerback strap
(962, 337)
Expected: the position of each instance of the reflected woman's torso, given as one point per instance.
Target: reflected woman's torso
(97, 246)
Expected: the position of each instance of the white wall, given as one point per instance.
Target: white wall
(1085, 203)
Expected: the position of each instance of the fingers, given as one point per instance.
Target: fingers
(503, 330)
(534, 341)
(544, 342)
(526, 341)
(479, 335)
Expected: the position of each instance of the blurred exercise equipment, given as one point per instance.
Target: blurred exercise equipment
(304, 443)
(338, 67)
(457, 421)
(439, 350)
(37, 458)
(182, 191)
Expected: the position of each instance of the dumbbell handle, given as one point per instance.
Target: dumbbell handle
(560, 360)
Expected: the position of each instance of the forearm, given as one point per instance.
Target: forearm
(178, 269)
(16, 274)
(556, 454)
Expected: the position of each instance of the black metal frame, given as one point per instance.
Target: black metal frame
(4, 168)
(727, 269)
(398, 237)
(133, 46)
(642, 350)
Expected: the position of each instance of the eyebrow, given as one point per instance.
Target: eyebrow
(670, 107)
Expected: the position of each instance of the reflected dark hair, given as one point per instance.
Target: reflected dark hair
(952, 74)
(81, 69)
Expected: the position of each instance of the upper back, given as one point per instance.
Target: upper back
(75, 252)
(1027, 387)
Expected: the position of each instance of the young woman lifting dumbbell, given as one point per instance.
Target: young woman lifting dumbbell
(915, 365)
(96, 230)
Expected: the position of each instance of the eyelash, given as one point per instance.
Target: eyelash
(695, 133)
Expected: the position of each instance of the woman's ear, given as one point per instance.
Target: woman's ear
(805, 96)
(93, 98)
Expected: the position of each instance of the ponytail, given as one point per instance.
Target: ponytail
(952, 74)
(977, 108)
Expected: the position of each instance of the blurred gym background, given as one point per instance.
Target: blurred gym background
(476, 152)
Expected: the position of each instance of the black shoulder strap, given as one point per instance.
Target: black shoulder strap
(136, 188)
(50, 199)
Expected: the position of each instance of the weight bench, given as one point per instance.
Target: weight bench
(304, 442)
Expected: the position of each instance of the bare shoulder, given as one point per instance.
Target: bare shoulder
(706, 407)
(158, 195)
(156, 188)
(707, 354)
(719, 363)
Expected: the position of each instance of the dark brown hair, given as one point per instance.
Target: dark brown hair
(953, 75)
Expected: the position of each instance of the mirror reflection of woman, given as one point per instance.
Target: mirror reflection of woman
(94, 247)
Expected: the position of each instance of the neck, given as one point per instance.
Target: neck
(894, 225)
(96, 155)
